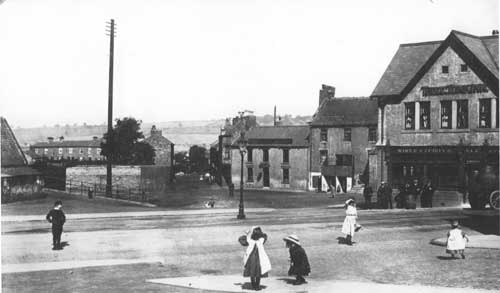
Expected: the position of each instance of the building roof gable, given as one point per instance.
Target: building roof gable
(12, 154)
(68, 144)
(157, 139)
(412, 61)
(339, 112)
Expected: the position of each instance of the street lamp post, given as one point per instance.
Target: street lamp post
(242, 143)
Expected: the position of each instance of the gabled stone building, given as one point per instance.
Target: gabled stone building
(343, 131)
(438, 111)
(164, 148)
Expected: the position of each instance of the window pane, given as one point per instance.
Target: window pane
(462, 114)
(249, 155)
(250, 175)
(425, 110)
(323, 157)
(286, 156)
(266, 155)
(286, 176)
(323, 134)
(347, 134)
(410, 115)
(485, 113)
(444, 69)
(446, 114)
(372, 134)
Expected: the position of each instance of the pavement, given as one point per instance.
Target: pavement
(237, 283)
(25, 218)
(475, 241)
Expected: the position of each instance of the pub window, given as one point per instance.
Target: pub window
(323, 157)
(445, 69)
(343, 160)
(249, 174)
(227, 153)
(60, 151)
(249, 155)
(45, 151)
(410, 115)
(347, 134)
(266, 155)
(462, 114)
(286, 176)
(70, 150)
(36, 151)
(464, 68)
(497, 113)
(372, 134)
(286, 155)
(323, 136)
(81, 151)
(89, 151)
(446, 114)
(484, 113)
(425, 110)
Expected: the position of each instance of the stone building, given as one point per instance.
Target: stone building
(164, 148)
(277, 157)
(68, 150)
(343, 131)
(19, 181)
(438, 111)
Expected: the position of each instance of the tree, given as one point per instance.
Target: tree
(198, 158)
(181, 162)
(122, 145)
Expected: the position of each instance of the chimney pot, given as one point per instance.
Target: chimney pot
(94, 137)
(50, 139)
(494, 32)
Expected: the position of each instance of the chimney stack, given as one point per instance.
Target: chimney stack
(94, 138)
(326, 92)
(155, 132)
(50, 139)
(494, 32)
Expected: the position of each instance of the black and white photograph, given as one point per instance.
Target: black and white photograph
(250, 145)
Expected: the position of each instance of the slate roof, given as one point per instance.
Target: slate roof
(294, 136)
(411, 61)
(68, 144)
(339, 112)
(12, 155)
(157, 139)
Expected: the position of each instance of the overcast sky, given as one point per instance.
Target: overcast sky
(200, 59)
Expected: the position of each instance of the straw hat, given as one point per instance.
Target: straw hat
(292, 238)
(347, 202)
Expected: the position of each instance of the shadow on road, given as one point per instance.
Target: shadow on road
(248, 286)
(287, 280)
(485, 224)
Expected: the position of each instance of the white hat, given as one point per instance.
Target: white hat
(349, 201)
(292, 238)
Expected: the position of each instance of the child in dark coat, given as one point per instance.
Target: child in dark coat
(299, 264)
(57, 218)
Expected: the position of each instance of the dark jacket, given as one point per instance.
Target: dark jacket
(300, 264)
(56, 217)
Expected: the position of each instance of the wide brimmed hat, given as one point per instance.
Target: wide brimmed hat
(349, 201)
(454, 223)
(292, 238)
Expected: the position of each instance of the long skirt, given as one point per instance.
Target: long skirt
(252, 266)
(349, 225)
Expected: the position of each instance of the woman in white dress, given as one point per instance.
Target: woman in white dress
(350, 226)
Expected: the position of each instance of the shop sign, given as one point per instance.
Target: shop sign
(412, 150)
(454, 89)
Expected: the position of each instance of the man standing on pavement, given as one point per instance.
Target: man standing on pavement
(367, 194)
(416, 191)
(384, 196)
(388, 196)
(57, 218)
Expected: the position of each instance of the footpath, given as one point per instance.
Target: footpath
(237, 283)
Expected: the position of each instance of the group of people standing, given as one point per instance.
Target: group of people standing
(406, 198)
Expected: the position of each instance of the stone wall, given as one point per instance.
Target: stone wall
(124, 177)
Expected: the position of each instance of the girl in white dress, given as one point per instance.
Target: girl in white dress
(350, 226)
(456, 241)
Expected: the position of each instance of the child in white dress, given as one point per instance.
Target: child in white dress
(350, 226)
(456, 241)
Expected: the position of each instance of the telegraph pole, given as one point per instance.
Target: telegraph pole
(111, 33)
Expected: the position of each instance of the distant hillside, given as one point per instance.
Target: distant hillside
(182, 133)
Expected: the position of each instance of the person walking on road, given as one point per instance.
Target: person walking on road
(456, 241)
(427, 194)
(349, 227)
(299, 264)
(57, 218)
(256, 262)
(367, 194)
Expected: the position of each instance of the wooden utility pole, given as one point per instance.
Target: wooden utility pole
(111, 31)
